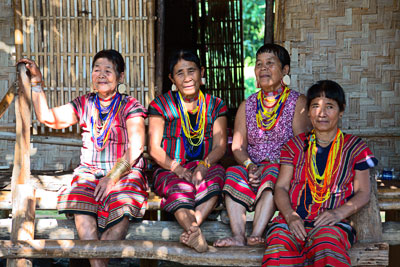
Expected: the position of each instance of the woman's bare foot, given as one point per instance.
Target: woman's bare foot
(234, 241)
(255, 240)
(195, 239)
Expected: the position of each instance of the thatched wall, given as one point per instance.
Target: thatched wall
(357, 44)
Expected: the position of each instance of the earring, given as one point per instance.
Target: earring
(173, 88)
(286, 80)
(121, 88)
(203, 81)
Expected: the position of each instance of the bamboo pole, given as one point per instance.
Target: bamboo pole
(7, 99)
(160, 47)
(23, 211)
(269, 22)
(18, 36)
(150, 52)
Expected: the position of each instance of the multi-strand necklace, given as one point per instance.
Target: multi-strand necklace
(266, 120)
(320, 185)
(193, 135)
(103, 116)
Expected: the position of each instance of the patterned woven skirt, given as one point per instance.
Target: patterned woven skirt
(324, 246)
(127, 198)
(178, 193)
(238, 188)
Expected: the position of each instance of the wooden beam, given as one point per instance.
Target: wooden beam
(54, 140)
(361, 254)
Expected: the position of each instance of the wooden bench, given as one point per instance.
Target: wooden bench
(23, 236)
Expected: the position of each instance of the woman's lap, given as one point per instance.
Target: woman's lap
(179, 193)
(324, 245)
(239, 189)
(127, 198)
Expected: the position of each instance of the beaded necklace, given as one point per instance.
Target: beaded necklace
(320, 185)
(196, 132)
(106, 115)
(266, 120)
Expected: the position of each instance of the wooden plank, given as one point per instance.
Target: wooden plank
(391, 232)
(55, 229)
(361, 254)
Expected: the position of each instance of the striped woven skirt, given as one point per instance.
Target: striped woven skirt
(324, 246)
(239, 189)
(127, 198)
(178, 193)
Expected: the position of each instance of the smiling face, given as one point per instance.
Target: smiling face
(187, 78)
(269, 72)
(324, 114)
(105, 78)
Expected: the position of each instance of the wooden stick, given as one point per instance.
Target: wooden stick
(7, 99)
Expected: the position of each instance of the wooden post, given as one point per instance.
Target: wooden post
(150, 37)
(367, 222)
(23, 214)
(18, 36)
(160, 46)
(269, 22)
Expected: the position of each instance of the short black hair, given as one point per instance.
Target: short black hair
(185, 54)
(114, 56)
(278, 51)
(328, 89)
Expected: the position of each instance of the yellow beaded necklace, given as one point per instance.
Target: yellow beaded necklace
(320, 185)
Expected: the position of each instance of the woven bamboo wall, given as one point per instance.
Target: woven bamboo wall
(64, 35)
(357, 44)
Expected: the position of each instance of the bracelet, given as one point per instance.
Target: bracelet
(174, 164)
(119, 168)
(205, 164)
(247, 163)
(37, 88)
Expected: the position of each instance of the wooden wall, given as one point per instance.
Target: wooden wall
(357, 44)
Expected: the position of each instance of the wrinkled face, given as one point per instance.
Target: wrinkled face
(269, 72)
(104, 77)
(187, 77)
(324, 114)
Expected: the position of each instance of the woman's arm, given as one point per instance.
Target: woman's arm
(239, 143)
(282, 201)
(217, 152)
(360, 198)
(156, 129)
(301, 123)
(58, 117)
(136, 140)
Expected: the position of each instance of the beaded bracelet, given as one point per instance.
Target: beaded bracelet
(37, 86)
(247, 163)
(119, 168)
(174, 164)
(205, 164)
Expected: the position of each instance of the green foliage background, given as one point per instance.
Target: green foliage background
(253, 37)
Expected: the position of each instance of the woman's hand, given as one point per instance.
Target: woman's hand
(255, 174)
(183, 173)
(328, 217)
(103, 188)
(36, 75)
(198, 175)
(296, 226)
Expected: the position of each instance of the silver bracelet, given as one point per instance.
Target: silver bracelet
(37, 88)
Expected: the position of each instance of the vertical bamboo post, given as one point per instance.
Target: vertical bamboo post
(269, 22)
(18, 37)
(23, 213)
(160, 46)
(150, 37)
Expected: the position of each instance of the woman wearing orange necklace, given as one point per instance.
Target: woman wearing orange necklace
(324, 178)
(109, 187)
(264, 122)
(187, 138)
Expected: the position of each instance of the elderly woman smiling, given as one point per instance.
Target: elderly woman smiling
(109, 186)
